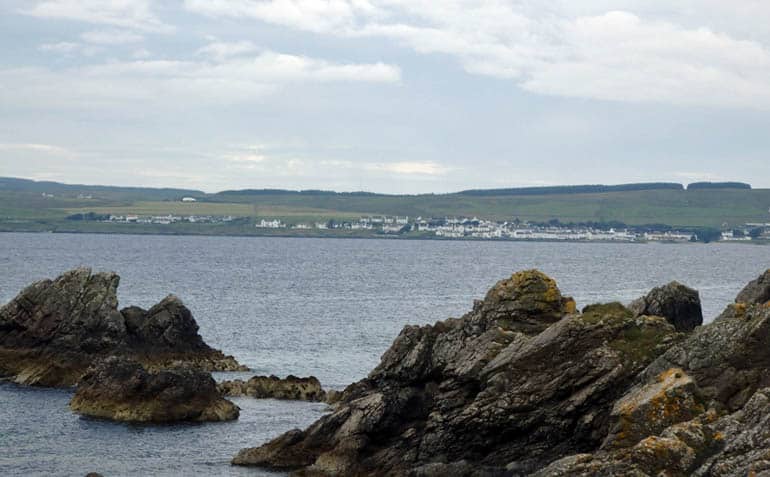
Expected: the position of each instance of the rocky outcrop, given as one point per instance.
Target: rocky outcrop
(679, 304)
(262, 387)
(757, 291)
(122, 390)
(516, 383)
(499, 392)
(55, 329)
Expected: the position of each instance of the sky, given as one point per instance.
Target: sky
(391, 96)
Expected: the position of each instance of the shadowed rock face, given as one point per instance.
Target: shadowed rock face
(679, 304)
(607, 392)
(262, 387)
(756, 292)
(55, 329)
(122, 390)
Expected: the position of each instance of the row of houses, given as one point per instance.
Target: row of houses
(169, 219)
(476, 228)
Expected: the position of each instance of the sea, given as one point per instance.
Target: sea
(303, 306)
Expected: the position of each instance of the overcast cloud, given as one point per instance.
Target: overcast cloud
(390, 96)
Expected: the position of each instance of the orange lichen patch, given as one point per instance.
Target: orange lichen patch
(662, 448)
(740, 309)
(537, 279)
(676, 373)
(570, 307)
(718, 436)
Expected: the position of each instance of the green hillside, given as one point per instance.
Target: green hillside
(35, 205)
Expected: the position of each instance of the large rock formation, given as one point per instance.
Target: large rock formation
(608, 391)
(518, 382)
(122, 390)
(55, 329)
(262, 387)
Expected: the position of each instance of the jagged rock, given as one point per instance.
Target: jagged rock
(727, 358)
(757, 291)
(679, 304)
(122, 390)
(261, 387)
(518, 382)
(54, 329)
(724, 365)
(503, 391)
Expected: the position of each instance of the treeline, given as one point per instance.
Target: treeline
(719, 185)
(577, 189)
(89, 216)
(307, 192)
(27, 185)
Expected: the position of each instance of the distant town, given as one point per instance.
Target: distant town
(461, 228)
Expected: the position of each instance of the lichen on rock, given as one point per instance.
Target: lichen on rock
(518, 382)
(262, 387)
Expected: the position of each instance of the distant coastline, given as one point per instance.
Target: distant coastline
(333, 235)
(660, 212)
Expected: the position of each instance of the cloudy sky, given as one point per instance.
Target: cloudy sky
(398, 96)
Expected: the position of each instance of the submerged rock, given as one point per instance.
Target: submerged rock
(677, 303)
(261, 387)
(122, 390)
(55, 329)
(504, 391)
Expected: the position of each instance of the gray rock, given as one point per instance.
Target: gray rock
(677, 303)
(482, 395)
(122, 390)
(504, 391)
(55, 329)
(757, 291)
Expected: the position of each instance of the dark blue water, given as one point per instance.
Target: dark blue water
(303, 306)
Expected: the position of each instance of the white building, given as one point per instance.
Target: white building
(270, 224)
(189, 199)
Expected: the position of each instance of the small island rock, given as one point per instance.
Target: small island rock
(261, 387)
(122, 390)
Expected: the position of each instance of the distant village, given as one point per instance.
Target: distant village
(475, 228)
(456, 228)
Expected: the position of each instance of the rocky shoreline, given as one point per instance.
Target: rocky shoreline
(525, 384)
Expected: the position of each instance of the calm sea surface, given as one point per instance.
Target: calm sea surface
(283, 306)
